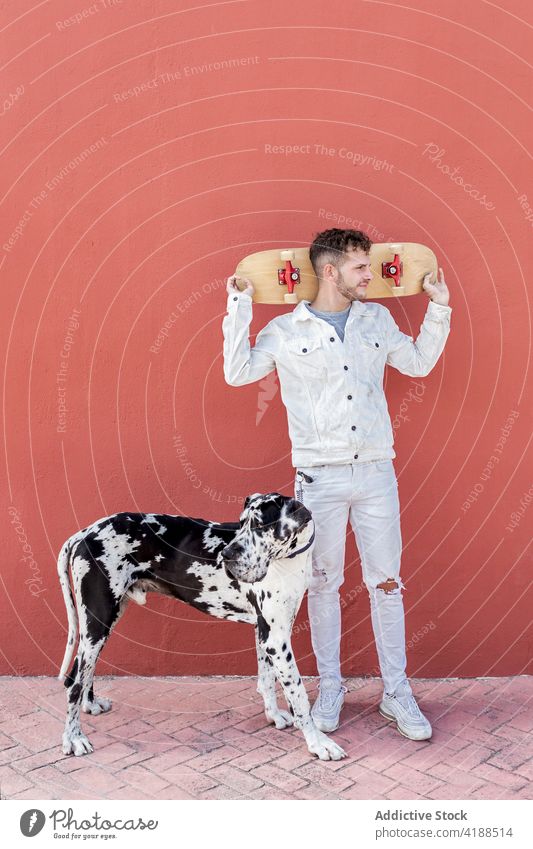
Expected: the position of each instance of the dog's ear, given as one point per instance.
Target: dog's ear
(248, 499)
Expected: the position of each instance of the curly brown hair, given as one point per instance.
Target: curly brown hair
(331, 246)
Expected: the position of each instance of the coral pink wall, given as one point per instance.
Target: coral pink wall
(139, 164)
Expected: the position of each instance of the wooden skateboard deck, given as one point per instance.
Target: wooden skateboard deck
(285, 276)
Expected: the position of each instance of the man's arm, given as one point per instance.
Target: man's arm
(416, 359)
(243, 364)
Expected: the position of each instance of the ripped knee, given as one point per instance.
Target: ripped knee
(388, 586)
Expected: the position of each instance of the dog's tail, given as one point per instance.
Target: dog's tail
(63, 563)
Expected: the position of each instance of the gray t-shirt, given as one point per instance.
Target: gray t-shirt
(336, 319)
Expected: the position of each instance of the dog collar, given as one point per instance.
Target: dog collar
(306, 546)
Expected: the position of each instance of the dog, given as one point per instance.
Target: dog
(255, 570)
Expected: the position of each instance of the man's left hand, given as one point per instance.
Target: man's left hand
(437, 291)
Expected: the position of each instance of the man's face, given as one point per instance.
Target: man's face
(354, 275)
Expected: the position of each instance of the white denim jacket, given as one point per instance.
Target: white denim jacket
(333, 391)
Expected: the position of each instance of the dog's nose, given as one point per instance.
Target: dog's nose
(229, 552)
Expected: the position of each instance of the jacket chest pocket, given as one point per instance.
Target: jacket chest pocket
(373, 344)
(307, 357)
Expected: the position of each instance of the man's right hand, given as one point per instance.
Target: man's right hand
(231, 285)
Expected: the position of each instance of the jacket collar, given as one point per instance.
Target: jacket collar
(301, 313)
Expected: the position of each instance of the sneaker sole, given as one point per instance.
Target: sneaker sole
(326, 730)
(394, 719)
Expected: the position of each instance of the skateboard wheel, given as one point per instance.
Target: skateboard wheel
(398, 290)
(291, 299)
(285, 256)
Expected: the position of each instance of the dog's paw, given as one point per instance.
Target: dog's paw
(76, 744)
(281, 719)
(97, 706)
(325, 749)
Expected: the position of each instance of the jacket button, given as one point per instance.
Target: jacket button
(236, 298)
(304, 350)
(355, 456)
(331, 338)
(345, 368)
(377, 344)
(353, 427)
(349, 397)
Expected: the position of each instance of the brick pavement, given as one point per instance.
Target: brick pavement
(207, 738)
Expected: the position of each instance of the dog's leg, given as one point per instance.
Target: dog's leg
(74, 740)
(266, 686)
(96, 704)
(97, 618)
(279, 649)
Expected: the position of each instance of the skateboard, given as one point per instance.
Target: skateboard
(287, 276)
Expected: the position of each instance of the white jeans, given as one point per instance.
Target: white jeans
(367, 494)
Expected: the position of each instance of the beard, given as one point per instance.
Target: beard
(350, 293)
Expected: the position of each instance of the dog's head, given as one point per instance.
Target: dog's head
(271, 526)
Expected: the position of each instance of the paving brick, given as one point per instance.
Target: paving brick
(24, 765)
(266, 792)
(58, 781)
(424, 756)
(197, 740)
(488, 791)
(221, 791)
(413, 779)
(98, 780)
(280, 778)
(449, 772)
(373, 781)
(143, 779)
(240, 781)
(15, 753)
(452, 791)
(167, 760)
(12, 782)
(43, 735)
(401, 792)
(130, 760)
(294, 759)
(37, 792)
(357, 791)
(470, 757)
(172, 724)
(253, 724)
(188, 779)
(523, 721)
(110, 753)
(318, 773)
(212, 724)
(222, 755)
(510, 757)
(257, 757)
(499, 776)
(286, 738)
(526, 769)
(314, 791)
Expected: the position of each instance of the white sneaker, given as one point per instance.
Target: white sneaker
(402, 708)
(326, 710)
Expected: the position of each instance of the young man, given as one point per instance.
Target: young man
(330, 356)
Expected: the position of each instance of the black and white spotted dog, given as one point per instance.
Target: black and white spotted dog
(255, 570)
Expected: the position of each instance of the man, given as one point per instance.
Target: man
(330, 357)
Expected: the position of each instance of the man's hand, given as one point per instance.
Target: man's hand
(231, 285)
(438, 291)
